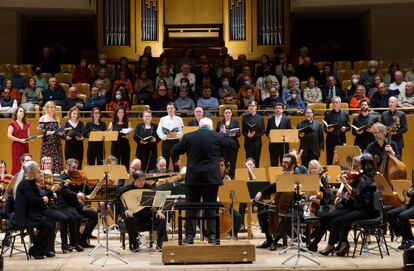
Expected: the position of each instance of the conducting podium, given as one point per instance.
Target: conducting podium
(283, 136)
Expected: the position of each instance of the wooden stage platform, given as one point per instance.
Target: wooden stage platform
(149, 259)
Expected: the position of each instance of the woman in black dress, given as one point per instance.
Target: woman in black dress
(225, 125)
(121, 148)
(74, 137)
(95, 154)
(29, 206)
(147, 139)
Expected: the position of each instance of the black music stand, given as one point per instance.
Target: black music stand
(297, 183)
(116, 172)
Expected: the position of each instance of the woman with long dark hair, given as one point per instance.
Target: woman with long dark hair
(121, 148)
(74, 137)
(95, 153)
(18, 131)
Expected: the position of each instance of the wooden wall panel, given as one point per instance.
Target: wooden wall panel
(193, 12)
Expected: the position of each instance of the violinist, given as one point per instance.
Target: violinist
(143, 216)
(71, 195)
(4, 177)
(361, 190)
(66, 215)
(29, 207)
(381, 146)
(289, 165)
(327, 195)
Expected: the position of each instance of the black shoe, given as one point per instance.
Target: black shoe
(50, 254)
(343, 252)
(85, 244)
(212, 239)
(66, 248)
(78, 248)
(327, 252)
(134, 250)
(406, 244)
(265, 244)
(188, 240)
(312, 247)
(273, 246)
(92, 237)
(36, 256)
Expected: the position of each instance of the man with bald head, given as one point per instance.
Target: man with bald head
(198, 115)
(72, 100)
(393, 115)
(407, 99)
(399, 82)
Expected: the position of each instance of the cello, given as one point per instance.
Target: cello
(392, 168)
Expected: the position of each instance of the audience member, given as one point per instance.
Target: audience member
(399, 82)
(324, 75)
(72, 100)
(380, 98)
(54, 92)
(358, 97)
(109, 72)
(119, 100)
(406, 99)
(389, 77)
(409, 75)
(247, 85)
(19, 82)
(377, 81)
(312, 94)
(126, 82)
(7, 105)
(123, 66)
(207, 102)
(226, 93)
(160, 101)
(367, 78)
(31, 96)
(286, 92)
(265, 82)
(295, 103)
(13, 92)
(183, 103)
(270, 102)
(49, 62)
(40, 80)
(264, 64)
(82, 74)
(331, 90)
(188, 58)
(185, 73)
(306, 69)
(95, 100)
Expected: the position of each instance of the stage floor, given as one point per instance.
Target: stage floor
(149, 259)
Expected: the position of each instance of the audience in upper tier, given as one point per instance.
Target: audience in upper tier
(205, 81)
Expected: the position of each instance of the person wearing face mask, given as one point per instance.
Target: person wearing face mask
(82, 74)
(350, 90)
(367, 78)
(364, 136)
(185, 73)
(109, 72)
(247, 85)
(119, 99)
(295, 104)
(286, 92)
(226, 93)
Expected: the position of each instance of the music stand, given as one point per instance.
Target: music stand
(345, 154)
(234, 192)
(298, 183)
(383, 187)
(402, 187)
(283, 136)
(116, 172)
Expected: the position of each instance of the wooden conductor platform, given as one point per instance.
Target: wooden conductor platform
(203, 252)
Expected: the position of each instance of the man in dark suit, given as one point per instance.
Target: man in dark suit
(312, 143)
(253, 128)
(331, 90)
(393, 115)
(336, 134)
(364, 136)
(203, 148)
(278, 121)
(198, 114)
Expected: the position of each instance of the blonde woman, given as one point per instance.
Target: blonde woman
(49, 125)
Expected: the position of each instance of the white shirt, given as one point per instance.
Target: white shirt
(170, 123)
(191, 77)
(278, 120)
(400, 87)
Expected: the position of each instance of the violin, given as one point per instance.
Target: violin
(342, 194)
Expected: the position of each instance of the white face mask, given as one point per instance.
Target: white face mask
(355, 80)
(184, 85)
(102, 61)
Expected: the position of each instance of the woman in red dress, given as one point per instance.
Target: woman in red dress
(18, 131)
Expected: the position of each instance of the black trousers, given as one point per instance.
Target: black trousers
(231, 157)
(331, 143)
(45, 239)
(276, 152)
(74, 150)
(339, 226)
(166, 147)
(122, 151)
(145, 218)
(284, 224)
(68, 218)
(95, 154)
(92, 217)
(399, 219)
(305, 159)
(253, 149)
(324, 223)
(194, 193)
(148, 156)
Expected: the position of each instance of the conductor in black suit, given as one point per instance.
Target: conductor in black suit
(253, 128)
(335, 135)
(392, 116)
(310, 143)
(278, 121)
(203, 148)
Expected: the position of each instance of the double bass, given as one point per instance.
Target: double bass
(392, 168)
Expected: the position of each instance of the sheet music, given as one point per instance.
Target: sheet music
(159, 199)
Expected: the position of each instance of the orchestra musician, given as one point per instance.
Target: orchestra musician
(161, 166)
(95, 153)
(362, 190)
(174, 125)
(335, 135)
(364, 136)
(253, 127)
(203, 148)
(278, 121)
(146, 137)
(71, 195)
(18, 131)
(381, 145)
(121, 148)
(29, 207)
(74, 137)
(51, 142)
(327, 195)
(58, 210)
(312, 143)
(144, 215)
(289, 165)
(224, 125)
(392, 116)
(198, 115)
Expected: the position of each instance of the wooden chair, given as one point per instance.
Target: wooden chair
(67, 68)
(232, 106)
(64, 77)
(26, 68)
(272, 172)
(319, 108)
(26, 75)
(346, 83)
(138, 109)
(243, 174)
(46, 75)
(344, 74)
(83, 88)
(343, 106)
(384, 64)
(342, 65)
(360, 65)
(321, 64)
(65, 87)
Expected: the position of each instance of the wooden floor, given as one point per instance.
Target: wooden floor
(149, 259)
